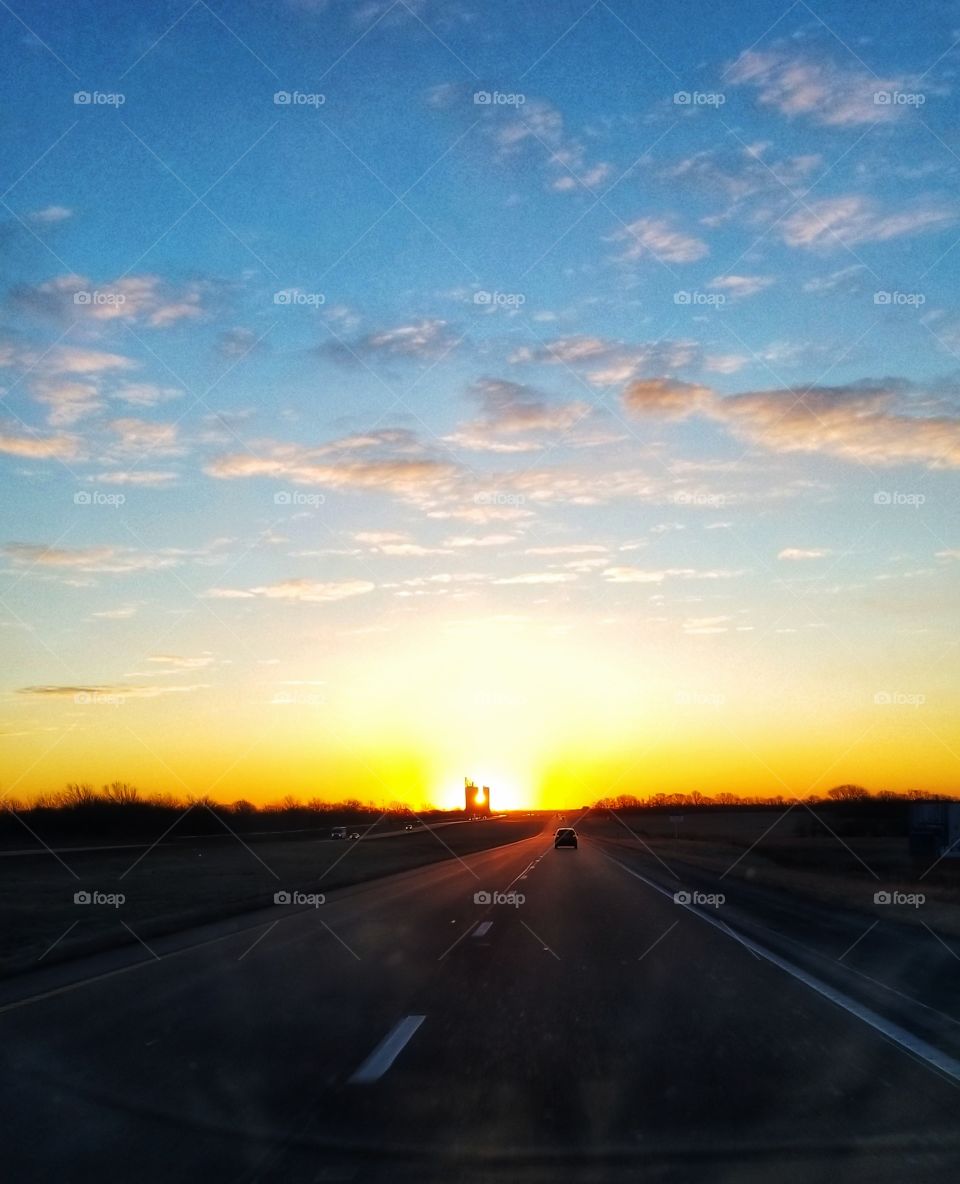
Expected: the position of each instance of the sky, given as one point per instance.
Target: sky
(565, 396)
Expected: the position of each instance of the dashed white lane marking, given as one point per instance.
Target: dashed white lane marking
(387, 1051)
(482, 929)
(931, 1056)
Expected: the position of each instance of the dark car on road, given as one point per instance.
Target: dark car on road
(566, 836)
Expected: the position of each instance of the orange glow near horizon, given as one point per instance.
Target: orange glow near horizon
(546, 719)
(301, 755)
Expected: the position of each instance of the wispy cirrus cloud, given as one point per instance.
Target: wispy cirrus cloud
(145, 394)
(799, 554)
(395, 543)
(143, 299)
(739, 287)
(105, 693)
(638, 575)
(105, 558)
(460, 541)
(844, 279)
(539, 126)
(516, 418)
(853, 219)
(427, 339)
(820, 89)
(67, 359)
(36, 447)
(302, 466)
(568, 549)
(67, 400)
(143, 437)
(181, 662)
(149, 478)
(391, 461)
(538, 577)
(301, 590)
(737, 175)
(50, 215)
(657, 238)
(606, 362)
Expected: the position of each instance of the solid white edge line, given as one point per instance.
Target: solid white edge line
(933, 1057)
(387, 1051)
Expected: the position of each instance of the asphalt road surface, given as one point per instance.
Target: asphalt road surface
(581, 1026)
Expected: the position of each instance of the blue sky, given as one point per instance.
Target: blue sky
(609, 339)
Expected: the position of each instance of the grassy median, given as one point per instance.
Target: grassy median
(171, 887)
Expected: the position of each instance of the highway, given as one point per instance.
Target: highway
(570, 1022)
(322, 833)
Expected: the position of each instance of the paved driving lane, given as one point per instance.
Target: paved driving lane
(577, 1026)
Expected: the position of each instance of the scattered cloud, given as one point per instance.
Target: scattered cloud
(50, 215)
(739, 287)
(512, 413)
(568, 549)
(740, 176)
(36, 447)
(819, 89)
(801, 553)
(142, 299)
(871, 424)
(106, 693)
(656, 238)
(427, 339)
(725, 363)
(303, 590)
(638, 575)
(68, 400)
(105, 558)
(149, 478)
(178, 662)
(385, 542)
(485, 540)
(69, 359)
(302, 466)
(538, 577)
(845, 279)
(706, 625)
(606, 362)
(538, 126)
(852, 219)
(142, 437)
(145, 394)
(123, 613)
(666, 397)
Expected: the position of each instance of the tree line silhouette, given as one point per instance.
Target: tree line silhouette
(838, 795)
(121, 810)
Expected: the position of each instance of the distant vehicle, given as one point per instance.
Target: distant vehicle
(354, 834)
(409, 826)
(338, 832)
(566, 836)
